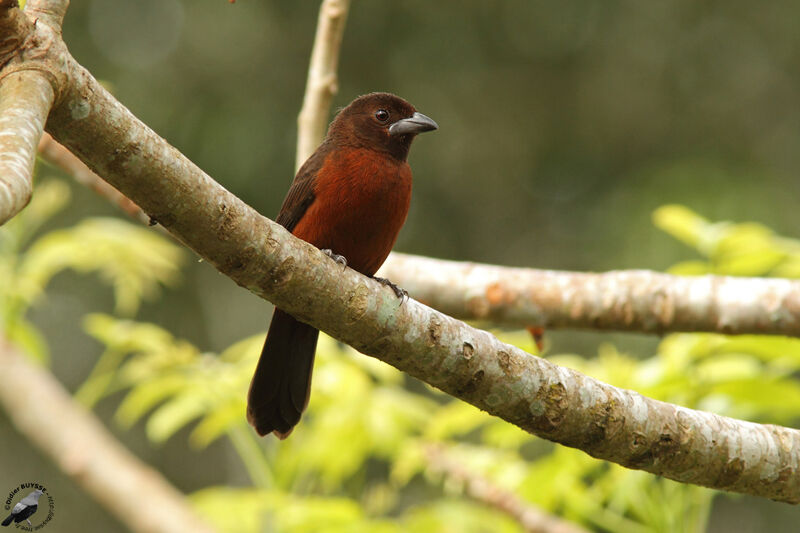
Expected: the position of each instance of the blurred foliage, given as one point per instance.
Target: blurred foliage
(744, 249)
(359, 459)
(132, 259)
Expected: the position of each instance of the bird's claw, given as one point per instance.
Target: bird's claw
(398, 291)
(339, 259)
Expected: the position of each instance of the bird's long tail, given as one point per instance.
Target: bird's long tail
(282, 381)
(8, 520)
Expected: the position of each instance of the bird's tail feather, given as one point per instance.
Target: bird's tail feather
(8, 520)
(282, 381)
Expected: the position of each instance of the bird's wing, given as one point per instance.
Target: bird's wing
(19, 507)
(301, 193)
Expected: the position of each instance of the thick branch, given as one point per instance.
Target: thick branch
(554, 402)
(627, 300)
(82, 448)
(321, 85)
(531, 518)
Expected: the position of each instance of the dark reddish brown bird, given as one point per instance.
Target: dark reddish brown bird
(350, 199)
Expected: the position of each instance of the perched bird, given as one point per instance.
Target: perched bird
(350, 199)
(24, 509)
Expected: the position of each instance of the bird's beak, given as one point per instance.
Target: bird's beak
(416, 123)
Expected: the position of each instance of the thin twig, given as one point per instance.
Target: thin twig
(531, 518)
(322, 83)
(82, 448)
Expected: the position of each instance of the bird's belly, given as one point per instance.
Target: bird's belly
(360, 223)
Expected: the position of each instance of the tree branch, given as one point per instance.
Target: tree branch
(51, 12)
(531, 518)
(322, 84)
(26, 95)
(625, 300)
(78, 443)
(553, 402)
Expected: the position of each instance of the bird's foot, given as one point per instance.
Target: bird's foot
(398, 291)
(339, 259)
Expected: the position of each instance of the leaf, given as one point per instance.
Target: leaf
(682, 223)
(217, 422)
(134, 260)
(457, 515)
(251, 510)
(146, 396)
(174, 414)
(454, 419)
(408, 463)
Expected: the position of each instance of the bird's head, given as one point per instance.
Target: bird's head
(380, 121)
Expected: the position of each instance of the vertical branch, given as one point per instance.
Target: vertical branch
(322, 79)
(51, 12)
(26, 96)
(25, 100)
(78, 443)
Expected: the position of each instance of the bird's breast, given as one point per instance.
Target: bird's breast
(361, 202)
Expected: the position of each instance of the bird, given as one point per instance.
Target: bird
(349, 199)
(24, 508)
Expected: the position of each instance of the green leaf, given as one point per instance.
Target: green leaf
(174, 414)
(454, 419)
(217, 422)
(682, 223)
(457, 515)
(134, 260)
(146, 396)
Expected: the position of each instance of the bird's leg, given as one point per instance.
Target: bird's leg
(28, 520)
(340, 259)
(399, 292)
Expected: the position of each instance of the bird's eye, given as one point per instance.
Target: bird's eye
(382, 115)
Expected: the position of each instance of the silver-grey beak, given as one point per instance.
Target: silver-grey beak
(416, 123)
